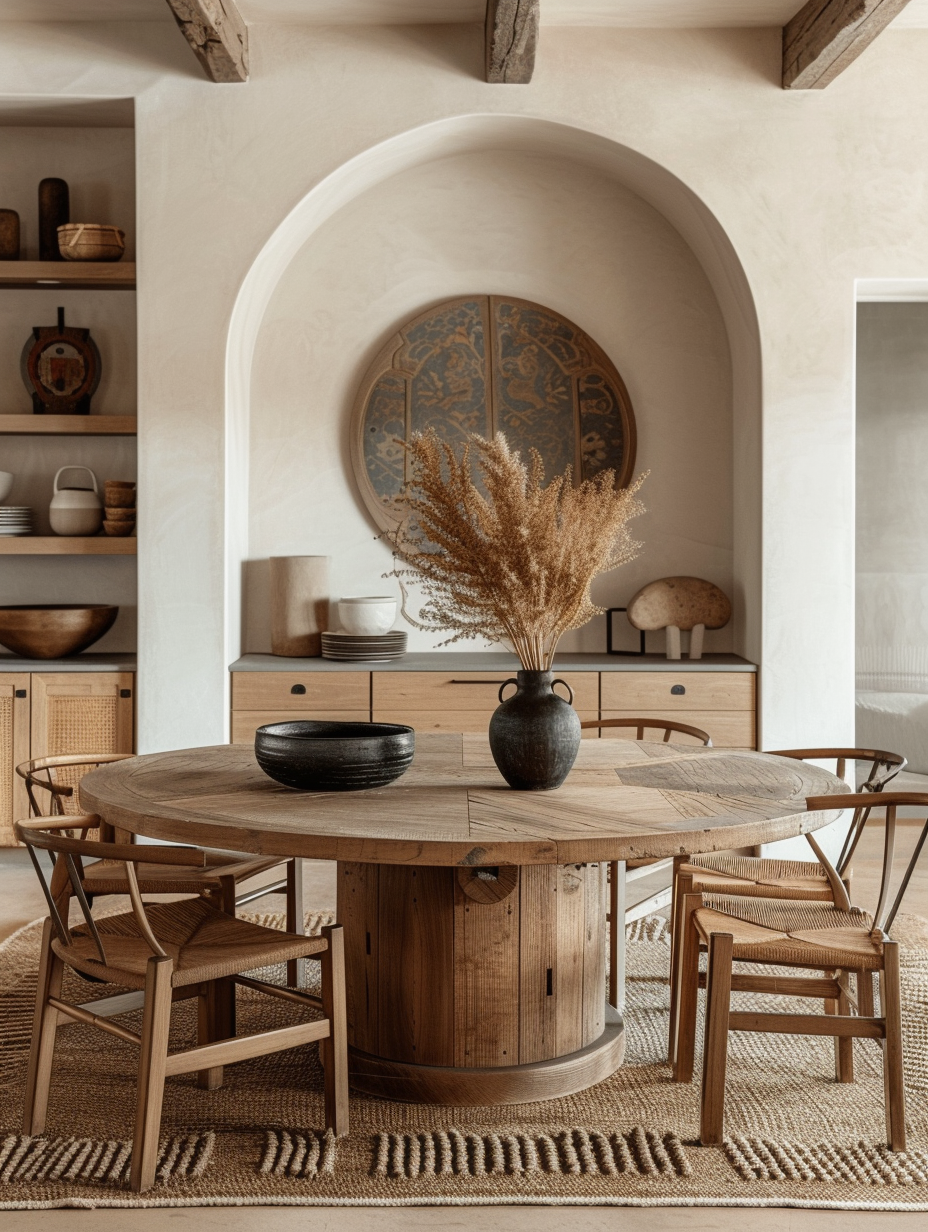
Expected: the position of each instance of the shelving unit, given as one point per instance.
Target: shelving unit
(69, 275)
(68, 425)
(67, 545)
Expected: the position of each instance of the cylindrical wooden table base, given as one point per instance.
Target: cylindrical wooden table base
(477, 985)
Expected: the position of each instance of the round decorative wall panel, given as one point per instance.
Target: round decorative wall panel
(489, 364)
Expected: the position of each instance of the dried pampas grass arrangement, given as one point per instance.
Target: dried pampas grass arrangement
(507, 559)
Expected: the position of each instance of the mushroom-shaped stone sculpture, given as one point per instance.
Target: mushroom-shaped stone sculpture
(677, 603)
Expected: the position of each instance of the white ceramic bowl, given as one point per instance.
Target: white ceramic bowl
(6, 483)
(371, 614)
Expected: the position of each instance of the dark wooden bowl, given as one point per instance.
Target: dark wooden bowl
(317, 756)
(54, 630)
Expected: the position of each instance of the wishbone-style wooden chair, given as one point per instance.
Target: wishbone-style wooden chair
(621, 872)
(169, 951)
(52, 783)
(766, 877)
(834, 937)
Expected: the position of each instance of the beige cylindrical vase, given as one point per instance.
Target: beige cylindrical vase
(299, 605)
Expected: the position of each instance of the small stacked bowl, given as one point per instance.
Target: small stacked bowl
(119, 500)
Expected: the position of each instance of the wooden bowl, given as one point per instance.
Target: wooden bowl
(118, 515)
(119, 498)
(90, 241)
(54, 630)
(118, 528)
(319, 756)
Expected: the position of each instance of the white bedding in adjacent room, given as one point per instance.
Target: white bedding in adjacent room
(895, 721)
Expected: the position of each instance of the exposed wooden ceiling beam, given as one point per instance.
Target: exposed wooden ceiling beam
(511, 39)
(826, 36)
(217, 34)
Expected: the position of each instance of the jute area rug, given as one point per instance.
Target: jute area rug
(797, 1138)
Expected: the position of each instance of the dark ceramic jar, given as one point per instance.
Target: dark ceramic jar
(535, 734)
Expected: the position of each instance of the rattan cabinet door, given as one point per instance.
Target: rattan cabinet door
(14, 748)
(82, 712)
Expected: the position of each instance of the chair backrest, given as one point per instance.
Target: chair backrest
(667, 726)
(884, 767)
(55, 836)
(51, 782)
(889, 801)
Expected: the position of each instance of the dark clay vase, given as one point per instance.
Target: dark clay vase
(535, 734)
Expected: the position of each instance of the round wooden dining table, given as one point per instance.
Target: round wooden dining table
(474, 915)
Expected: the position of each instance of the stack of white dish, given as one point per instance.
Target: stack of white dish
(15, 520)
(364, 647)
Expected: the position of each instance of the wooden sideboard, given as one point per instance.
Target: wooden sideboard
(457, 691)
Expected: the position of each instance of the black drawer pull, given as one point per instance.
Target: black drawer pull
(125, 692)
(21, 693)
(496, 682)
(298, 688)
(678, 690)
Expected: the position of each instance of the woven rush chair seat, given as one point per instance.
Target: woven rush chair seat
(104, 877)
(780, 932)
(203, 943)
(760, 876)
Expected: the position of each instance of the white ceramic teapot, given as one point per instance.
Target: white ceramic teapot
(75, 511)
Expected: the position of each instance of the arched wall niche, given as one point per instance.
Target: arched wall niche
(518, 138)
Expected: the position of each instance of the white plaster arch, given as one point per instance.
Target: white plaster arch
(525, 134)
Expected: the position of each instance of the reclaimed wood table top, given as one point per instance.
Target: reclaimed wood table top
(623, 800)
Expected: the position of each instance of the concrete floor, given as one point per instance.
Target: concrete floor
(21, 901)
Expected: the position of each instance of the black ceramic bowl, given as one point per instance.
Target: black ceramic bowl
(317, 756)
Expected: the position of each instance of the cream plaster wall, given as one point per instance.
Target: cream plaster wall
(812, 190)
(545, 229)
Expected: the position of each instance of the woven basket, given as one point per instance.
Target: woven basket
(90, 241)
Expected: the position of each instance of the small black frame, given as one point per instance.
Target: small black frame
(637, 654)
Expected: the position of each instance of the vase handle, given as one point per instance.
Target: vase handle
(511, 680)
(570, 699)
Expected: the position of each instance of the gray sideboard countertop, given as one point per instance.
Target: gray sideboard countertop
(77, 663)
(495, 661)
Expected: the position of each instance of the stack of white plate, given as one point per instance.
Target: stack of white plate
(15, 520)
(364, 647)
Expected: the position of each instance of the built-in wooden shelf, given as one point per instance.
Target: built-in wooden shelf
(68, 545)
(69, 275)
(68, 425)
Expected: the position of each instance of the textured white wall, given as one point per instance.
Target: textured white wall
(544, 229)
(813, 190)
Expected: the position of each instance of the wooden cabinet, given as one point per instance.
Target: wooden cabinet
(48, 713)
(14, 748)
(274, 697)
(721, 703)
(460, 701)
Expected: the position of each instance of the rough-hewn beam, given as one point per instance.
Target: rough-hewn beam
(512, 35)
(826, 36)
(217, 34)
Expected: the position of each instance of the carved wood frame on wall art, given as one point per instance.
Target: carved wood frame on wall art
(472, 357)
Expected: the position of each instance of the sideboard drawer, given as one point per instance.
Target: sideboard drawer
(246, 722)
(301, 691)
(455, 720)
(447, 692)
(728, 729)
(672, 693)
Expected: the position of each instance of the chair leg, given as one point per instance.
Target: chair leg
(687, 992)
(617, 934)
(844, 1045)
(156, 1024)
(215, 1021)
(44, 1029)
(296, 968)
(715, 1052)
(865, 1003)
(677, 889)
(891, 1004)
(335, 1047)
